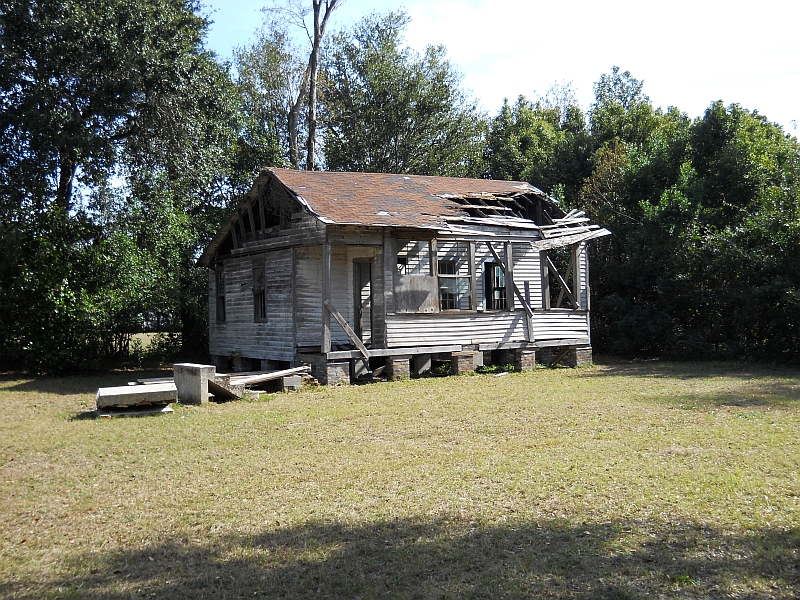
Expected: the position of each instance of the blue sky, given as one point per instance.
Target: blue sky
(689, 53)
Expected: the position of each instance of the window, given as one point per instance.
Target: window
(220, 295)
(453, 269)
(414, 283)
(495, 287)
(259, 295)
(560, 278)
(414, 258)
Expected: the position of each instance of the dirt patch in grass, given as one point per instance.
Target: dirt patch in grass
(612, 482)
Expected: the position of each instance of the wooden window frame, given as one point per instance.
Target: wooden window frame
(219, 293)
(490, 271)
(448, 301)
(259, 293)
(568, 284)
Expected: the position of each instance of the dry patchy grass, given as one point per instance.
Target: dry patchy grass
(629, 480)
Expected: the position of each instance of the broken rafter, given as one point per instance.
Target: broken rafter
(252, 218)
(487, 207)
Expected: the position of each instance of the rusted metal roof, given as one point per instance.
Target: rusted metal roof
(381, 199)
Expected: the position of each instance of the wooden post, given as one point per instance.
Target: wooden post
(234, 236)
(378, 301)
(240, 222)
(509, 276)
(389, 269)
(585, 278)
(435, 270)
(576, 278)
(261, 212)
(252, 218)
(473, 272)
(326, 296)
(545, 269)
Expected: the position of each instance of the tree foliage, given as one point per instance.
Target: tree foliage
(704, 215)
(117, 134)
(389, 109)
(123, 144)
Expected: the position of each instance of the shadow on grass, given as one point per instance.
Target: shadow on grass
(78, 384)
(691, 370)
(756, 386)
(446, 559)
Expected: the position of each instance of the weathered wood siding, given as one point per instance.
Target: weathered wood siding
(479, 328)
(526, 270)
(583, 261)
(560, 324)
(308, 290)
(239, 335)
(454, 328)
(474, 328)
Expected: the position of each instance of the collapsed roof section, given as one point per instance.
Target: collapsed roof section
(446, 205)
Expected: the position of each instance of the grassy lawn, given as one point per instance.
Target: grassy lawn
(628, 480)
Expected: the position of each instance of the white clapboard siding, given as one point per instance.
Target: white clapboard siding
(239, 335)
(453, 328)
(560, 324)
(308, 295)
(526, 269)
(583, 262)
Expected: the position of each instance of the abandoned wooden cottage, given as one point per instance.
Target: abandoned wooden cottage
(359, 272)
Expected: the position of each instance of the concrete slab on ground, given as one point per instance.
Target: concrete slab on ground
(136, 395)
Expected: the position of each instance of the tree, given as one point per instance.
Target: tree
(544, 142)
(306, 95)
(268, 77)
(621, 110)
(388, 109)
(705, 217)
(107, 105)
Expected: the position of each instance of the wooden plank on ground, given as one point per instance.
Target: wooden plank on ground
(220, 391)
(267, 376)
